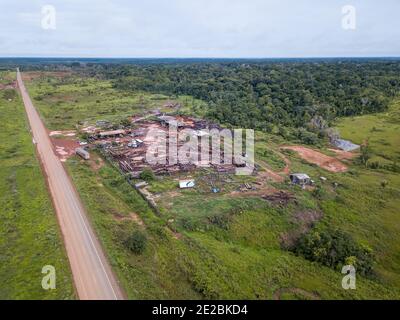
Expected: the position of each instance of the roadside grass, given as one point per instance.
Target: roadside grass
(29, 234)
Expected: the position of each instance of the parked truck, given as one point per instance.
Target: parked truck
(83, 153)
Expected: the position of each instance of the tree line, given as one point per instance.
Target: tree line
(282, 96)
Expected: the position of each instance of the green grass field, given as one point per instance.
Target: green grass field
(205, 245)
(29, 233)
(381, 130)
(64, 102)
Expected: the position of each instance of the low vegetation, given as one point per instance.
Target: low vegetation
(335, 249)
(29, 235)
(137, 242)
(66, 100)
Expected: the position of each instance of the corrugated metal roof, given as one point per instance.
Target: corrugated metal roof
(301, 176)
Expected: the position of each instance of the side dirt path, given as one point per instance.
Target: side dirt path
(272, 175)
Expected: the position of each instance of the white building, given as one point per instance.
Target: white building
(184, 184)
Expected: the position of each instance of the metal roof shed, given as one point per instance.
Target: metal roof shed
(300, 178)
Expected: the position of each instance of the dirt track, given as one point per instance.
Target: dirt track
(318, 158)
(93, 277)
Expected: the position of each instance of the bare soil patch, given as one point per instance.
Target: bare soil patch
(67, 133)
(64, 148)
(96, 163)
(131, 217)
(265, 190)
(11, 85)
(312, 156)
(280, 198)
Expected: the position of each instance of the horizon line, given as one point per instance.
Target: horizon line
(198, 58)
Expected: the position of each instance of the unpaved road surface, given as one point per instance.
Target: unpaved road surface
(318, 158)
(93, 277)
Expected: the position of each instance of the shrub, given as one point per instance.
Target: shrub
(220, 220)
(307, 137)
(137, 242)
(319, 192)
(334, 248)
(9, 94)
(188, 224)
(147, 175)
(365, 154)
(125, 122)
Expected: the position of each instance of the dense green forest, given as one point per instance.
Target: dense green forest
(282, 96)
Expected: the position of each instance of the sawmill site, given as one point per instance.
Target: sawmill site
(127, 147)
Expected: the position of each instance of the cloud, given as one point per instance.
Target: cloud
(199, 28)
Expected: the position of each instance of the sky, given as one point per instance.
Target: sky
(199, 28)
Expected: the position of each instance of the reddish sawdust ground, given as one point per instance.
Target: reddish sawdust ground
(318, 158)
(64, 148)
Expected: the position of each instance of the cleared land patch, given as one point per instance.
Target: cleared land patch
(318, 158)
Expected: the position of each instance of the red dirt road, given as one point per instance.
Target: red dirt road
(93, 277)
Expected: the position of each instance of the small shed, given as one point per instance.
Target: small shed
(184, 184)
(300, 178)
(83, 153)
